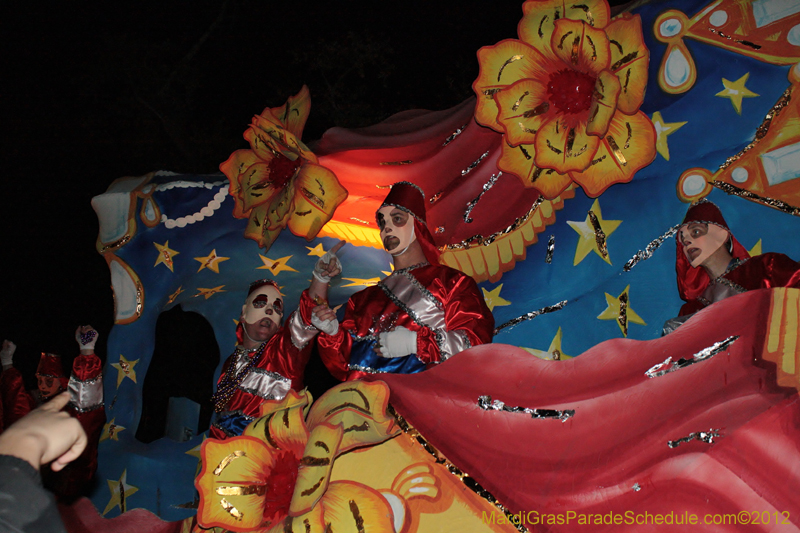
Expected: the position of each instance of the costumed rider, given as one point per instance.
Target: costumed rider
(270, 359)
(420, 315)
(712, 265)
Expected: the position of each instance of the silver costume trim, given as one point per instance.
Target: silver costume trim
(262, 383)
(367, 369)
(453, 342)
(86, 395)
(86, 409)
(300, 334)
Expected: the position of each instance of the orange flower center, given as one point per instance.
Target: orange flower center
(280, 480)
(571, 91)
(282, 169)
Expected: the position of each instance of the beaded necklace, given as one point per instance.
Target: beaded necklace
(231, 380)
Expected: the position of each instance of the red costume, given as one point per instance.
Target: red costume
(745, 273)
(280, 366)
(15, 401)
(440, 304)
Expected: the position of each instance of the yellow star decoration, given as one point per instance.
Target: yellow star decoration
(316, 251)
(120, 492)
(493, 299)
(125, 369)
(165, 255)
(736, 91)
(111, 431)
(195, 452)
(587, 239)
(756, 249)
(175, 294)
(276, 266)
(620, 309)
(336, 309)
(208, 293)
(211, 261)
(360, 282)
(664, 130)
(553, 353)
(391, 269)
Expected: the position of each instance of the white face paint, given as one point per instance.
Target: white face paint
(700, 241)
(262, 313)
(397, 229)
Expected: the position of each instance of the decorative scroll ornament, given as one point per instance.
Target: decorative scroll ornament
(766, 170)
(276, 476)
(278, 183)
(486, 403)
(566, 97)
(764, 30)
(669, 365)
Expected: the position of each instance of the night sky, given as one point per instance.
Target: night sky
(90, 94)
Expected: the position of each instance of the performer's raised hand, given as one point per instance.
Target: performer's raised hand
(328, 266)
(396, 343)
(86, 336)
(324, 319)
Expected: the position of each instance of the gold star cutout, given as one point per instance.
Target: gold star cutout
(756, 249)
(587, 240)
(175, 295)
(360, 282)
(493, 299)
(553, 353)
(211, 261)
(120, 492)
(125, 369)
(391, 269)
(336, 309)
(664, 130)
(277, 266)
(165, 255)
(619, 309)
(111, 431)
(736, 91)
(208, 293)
(316, 251)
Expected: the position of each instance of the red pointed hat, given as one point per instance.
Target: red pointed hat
(692, 281)
(411, 199)
(50, 365)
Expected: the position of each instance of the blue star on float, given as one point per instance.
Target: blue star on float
(664, 130)
(125, 369)
(592, 234)
(619, 309)
(120, 492)
(276, 266)
(493, 299)
(736, 91)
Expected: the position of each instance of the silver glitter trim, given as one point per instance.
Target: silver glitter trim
(474, 164)
(529, 316)
(763, 200)
(642, 255)
(705, 436)
(407, 310)
(472, 203)
(367, 369)
(725, 281)
(706, 353)
(455, 134)
(486, 403)
(271, 374)
(410, 268)
(421, 288)
(636, 487)
(551, 246)
(255, 392)
(91, 381)
(85, 409)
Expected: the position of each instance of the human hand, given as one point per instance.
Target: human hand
(396, 343)
(45, 434)
(324, 319)
(7, 353)
(328, 266)
(86, 336)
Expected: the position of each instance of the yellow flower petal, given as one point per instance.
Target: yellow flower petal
(629, 61)
(229, 483)
(564, 146)
(355, 507)
(310, 522)
(315, 467)
(520, 162)
(282, 427)
(580, 46)
(256, 186)
(294, 113)
(539, 16)
(501, 65)
(317, 195)
(629, 145)
(604, 103)
(233, 168)
(523, 108)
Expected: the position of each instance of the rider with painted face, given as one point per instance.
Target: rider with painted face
(712, 265)
(269, 358)
(420, 315)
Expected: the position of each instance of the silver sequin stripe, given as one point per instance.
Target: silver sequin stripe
(86, 394)
(367, 369)
(438, 335)
(421, 288)
(86, 409)
(299, 333)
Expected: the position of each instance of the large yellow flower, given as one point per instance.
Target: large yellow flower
(566, 97)
(278, 181)
(277, 474)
